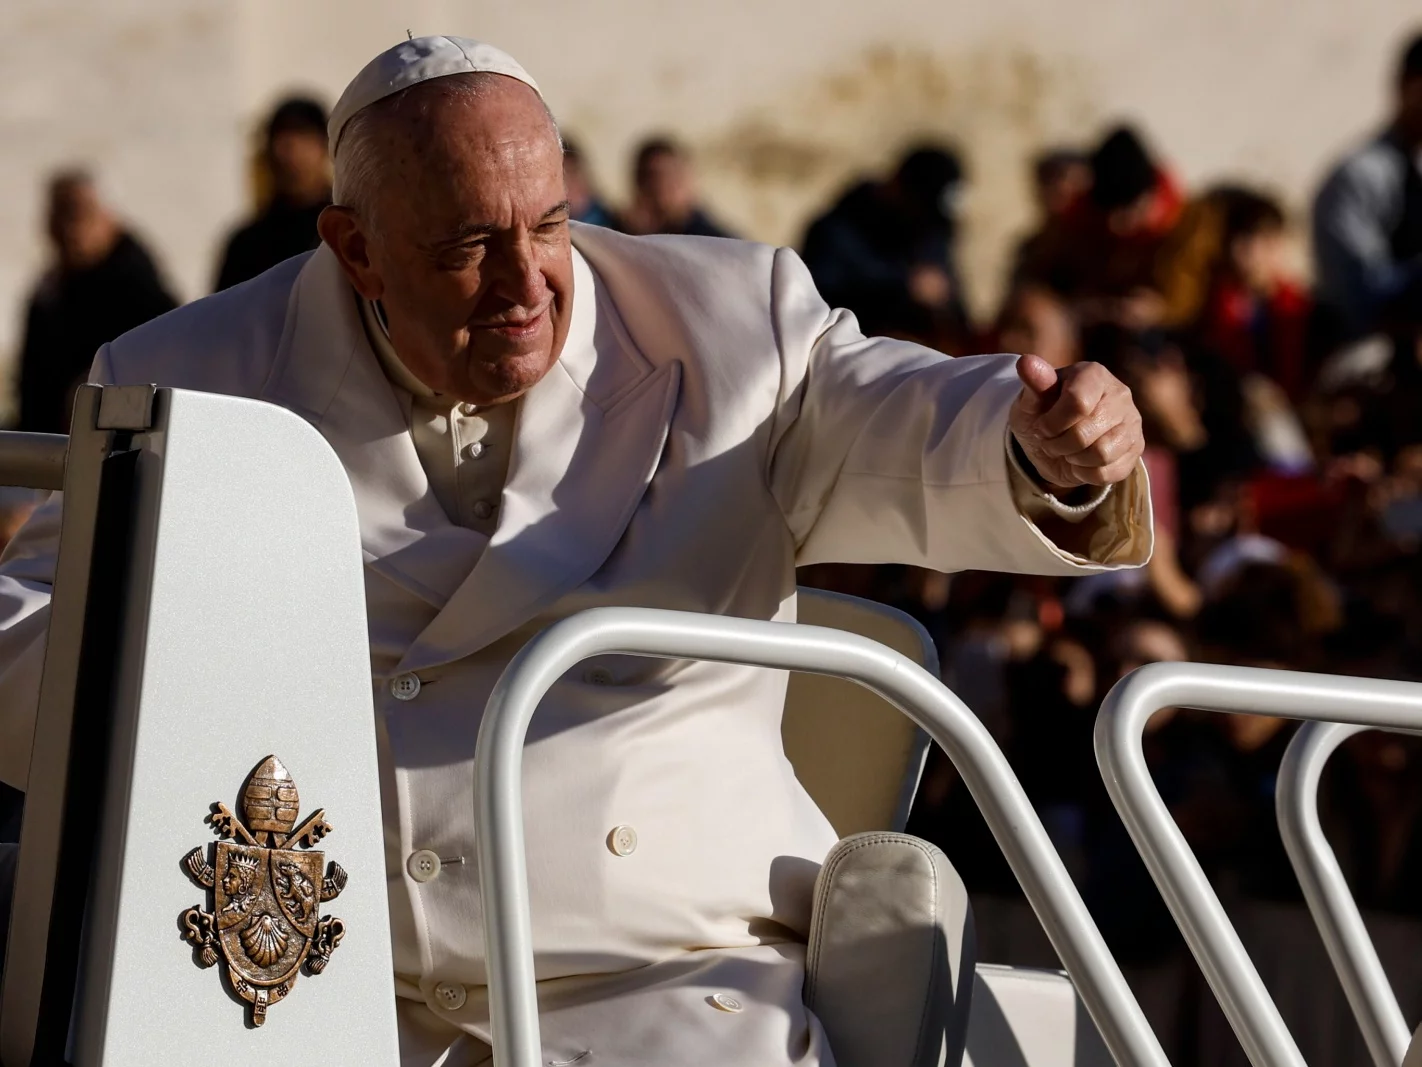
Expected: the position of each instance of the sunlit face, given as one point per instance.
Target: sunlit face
(1259, 259)
(78, 224)
(467, 248)
(298, 161)
(667, 182)
(1038, 321)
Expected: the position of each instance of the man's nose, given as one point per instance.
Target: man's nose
(520, 277)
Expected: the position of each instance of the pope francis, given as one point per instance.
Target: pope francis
(539, 417)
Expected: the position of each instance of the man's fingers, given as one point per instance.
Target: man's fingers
(1079, 398)
(1115, 444)
(1111, 474)
(1083, 434)
(1039, 379)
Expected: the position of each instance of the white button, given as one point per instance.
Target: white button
(450, 995)
(474, 450)
(423, 865)
(405, 687)
(483, 509)
(622, 840)
(597, 676)
(468, 409)
(725, 1002)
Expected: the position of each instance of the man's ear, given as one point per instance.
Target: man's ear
(342, 230)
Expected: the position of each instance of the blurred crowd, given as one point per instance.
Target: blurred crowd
(1283, 410)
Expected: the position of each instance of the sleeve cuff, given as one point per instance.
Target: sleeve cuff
(1111, 529)
(1034, 502)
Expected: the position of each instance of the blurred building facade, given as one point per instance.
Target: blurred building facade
(782, 101)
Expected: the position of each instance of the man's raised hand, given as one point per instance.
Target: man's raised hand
(1077, 426)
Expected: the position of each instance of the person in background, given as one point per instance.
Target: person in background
(1226, 284)
(665, 198)
(885, 251)
(102, 283)
(584, 203)
(1101, 251)
(1035, 319)
(1367, 225)
(295, 159)
(1060, 178)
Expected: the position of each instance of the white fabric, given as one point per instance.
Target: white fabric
(710, 424)
(1030, 1018)
(419, 60)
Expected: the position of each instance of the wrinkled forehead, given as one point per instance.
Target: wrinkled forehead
(460, 121)
(487, 148)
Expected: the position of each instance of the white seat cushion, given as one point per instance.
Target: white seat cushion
(890, 954)
(1022, 1017)
(1414, 1051)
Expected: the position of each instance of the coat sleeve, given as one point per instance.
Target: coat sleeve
(26, 581)
(886, 452)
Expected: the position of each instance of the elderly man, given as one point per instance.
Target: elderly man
(538, 418)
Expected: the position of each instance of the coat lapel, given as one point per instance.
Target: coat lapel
(326, 371)
(587, 443)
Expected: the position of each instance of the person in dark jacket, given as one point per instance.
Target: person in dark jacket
(665, 198)
(103, 283)
(1367, 225)
(885, 251)
(296, 160)
(584, 203)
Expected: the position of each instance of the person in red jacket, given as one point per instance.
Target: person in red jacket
(1255, 315)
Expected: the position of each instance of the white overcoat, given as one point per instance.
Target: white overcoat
(710, 425)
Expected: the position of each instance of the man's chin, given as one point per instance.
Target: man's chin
(500, 377)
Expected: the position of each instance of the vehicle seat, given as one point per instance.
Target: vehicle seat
(891, 935)
(1414, 1051)
(9, 856)
(1025, 1017)
(890, 961)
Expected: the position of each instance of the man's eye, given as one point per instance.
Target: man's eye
(462, 256)
(551, 225)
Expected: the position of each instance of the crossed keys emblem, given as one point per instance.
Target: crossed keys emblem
(267, 887)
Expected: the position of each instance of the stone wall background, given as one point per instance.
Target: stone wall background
(783, 100)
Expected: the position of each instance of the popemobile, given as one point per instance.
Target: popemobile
(201, 873)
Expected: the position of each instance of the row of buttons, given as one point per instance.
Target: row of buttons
(424, 865)
(407, 686)
(451, 996)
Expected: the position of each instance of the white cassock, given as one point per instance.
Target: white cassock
(710, 425)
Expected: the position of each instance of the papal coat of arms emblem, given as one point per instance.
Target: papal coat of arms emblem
(267, 887)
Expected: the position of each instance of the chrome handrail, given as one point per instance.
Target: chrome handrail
(32, 460)
(1120, 728)
(498, 780)
(1329, 899)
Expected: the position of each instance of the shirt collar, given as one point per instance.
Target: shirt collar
(373, 316)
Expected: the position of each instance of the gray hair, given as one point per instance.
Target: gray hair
(359, 158)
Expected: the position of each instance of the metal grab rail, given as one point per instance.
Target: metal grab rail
(498, 775)
(32, 460)
(1197, 910)
(1330, 901)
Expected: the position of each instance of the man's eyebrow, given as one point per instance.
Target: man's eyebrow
(470, 230)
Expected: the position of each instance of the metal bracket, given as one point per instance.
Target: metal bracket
(126, 407)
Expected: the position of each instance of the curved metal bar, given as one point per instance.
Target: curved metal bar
(33, 460)
(498, 772)
(1334, 910)
(1197, 910)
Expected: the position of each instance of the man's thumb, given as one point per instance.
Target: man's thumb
(1038, 376)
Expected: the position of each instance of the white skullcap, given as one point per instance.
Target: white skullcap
(418, 60)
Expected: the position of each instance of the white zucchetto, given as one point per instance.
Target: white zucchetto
(418, 60)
